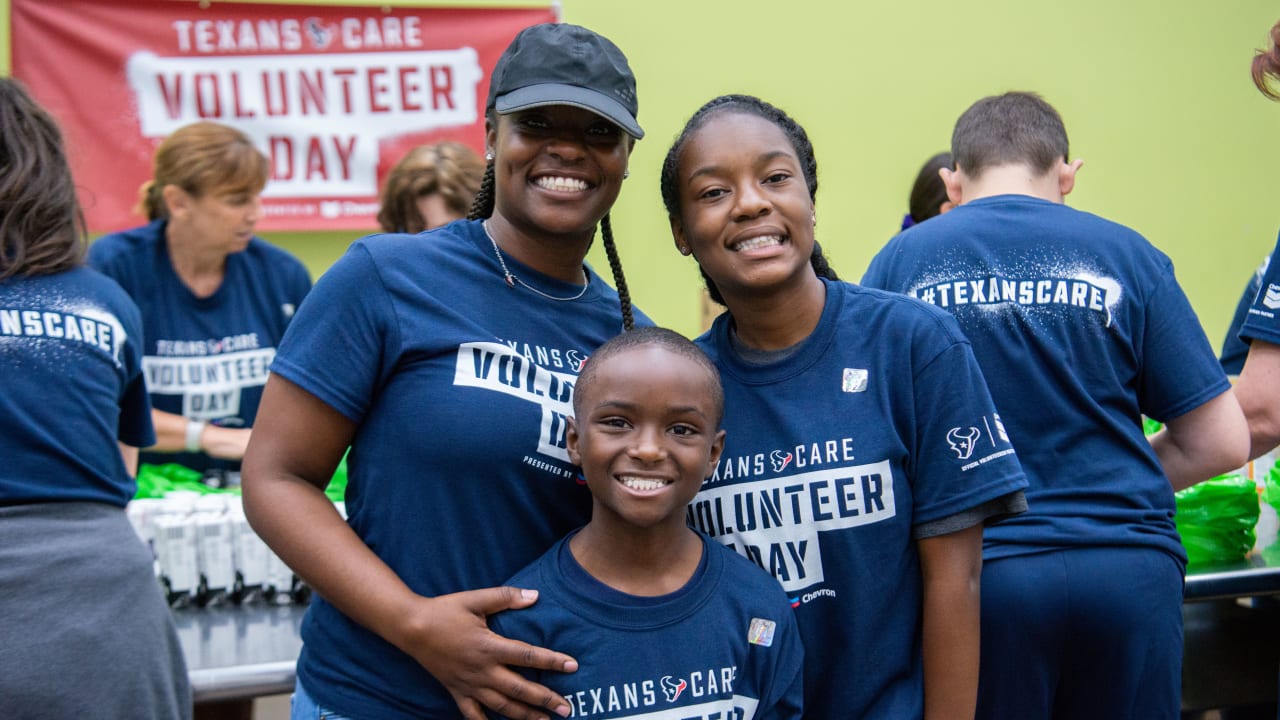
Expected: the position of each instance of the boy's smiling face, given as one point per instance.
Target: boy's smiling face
(646, 435)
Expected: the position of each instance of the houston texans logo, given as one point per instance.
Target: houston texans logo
(321, 35)
(672, 688)
(963, 440)
(576, 361)
(779, 460)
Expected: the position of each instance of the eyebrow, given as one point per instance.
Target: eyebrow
(632, 406)
(716, 169)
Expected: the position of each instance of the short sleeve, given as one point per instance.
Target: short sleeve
(344, 339)
(1262, 322)
(1179, 369)
(962, 453)
(135, 426)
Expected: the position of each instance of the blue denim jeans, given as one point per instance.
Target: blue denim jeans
(302, 707)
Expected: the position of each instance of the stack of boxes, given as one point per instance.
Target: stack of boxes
(206, 553)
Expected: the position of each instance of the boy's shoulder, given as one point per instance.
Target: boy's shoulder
(533, 576)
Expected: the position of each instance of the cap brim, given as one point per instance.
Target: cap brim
(533, 96)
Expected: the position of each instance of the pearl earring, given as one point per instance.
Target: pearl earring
(488, 156)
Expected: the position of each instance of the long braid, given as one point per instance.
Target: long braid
(482, 206)
(619, 280)
(820, 264)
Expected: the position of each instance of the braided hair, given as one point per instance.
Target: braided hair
(749, 105)
(482, 208)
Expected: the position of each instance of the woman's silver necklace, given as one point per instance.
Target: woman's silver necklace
(512, 279)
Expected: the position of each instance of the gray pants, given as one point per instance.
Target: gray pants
(84, 630)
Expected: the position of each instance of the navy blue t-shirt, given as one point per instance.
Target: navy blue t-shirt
(1080, 328)
(725, 645)
(70, 387)
(1262, 322)
(458, 475)
(1234, 350)
(205, 358)
(875, 424)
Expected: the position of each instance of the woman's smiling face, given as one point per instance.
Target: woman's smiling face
(557, 169)
(745, 210)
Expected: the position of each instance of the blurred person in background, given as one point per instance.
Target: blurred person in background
(928, 193)
(215, 298)
(432, 185)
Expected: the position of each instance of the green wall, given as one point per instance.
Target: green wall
(1156, 97)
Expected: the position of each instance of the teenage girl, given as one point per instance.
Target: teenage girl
(863, 453)
(447, 363)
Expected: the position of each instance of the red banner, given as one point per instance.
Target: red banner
(333, 95)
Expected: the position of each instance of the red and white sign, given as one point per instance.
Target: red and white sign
(333, 95)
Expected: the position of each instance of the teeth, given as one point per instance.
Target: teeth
(758, 242)
(562, 184)
(638, 483)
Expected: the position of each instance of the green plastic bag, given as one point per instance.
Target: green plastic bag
(337, 489)
(1216, 519)
(1271, 490)
(155, 481)
(1149, 426)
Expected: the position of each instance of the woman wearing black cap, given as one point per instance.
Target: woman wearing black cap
(448, 368)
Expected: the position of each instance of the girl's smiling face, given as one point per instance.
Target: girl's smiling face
(745, 208)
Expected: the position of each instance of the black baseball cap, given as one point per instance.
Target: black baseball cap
(562, 64)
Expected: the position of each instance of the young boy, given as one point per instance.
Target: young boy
(1080, 327)
(663, 623)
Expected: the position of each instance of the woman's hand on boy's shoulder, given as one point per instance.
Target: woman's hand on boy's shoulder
(449, 636)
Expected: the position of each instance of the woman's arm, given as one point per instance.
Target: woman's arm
(212, 440)
(951, 566)
(297, 442)
(1258, 391)
(1205, 442)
